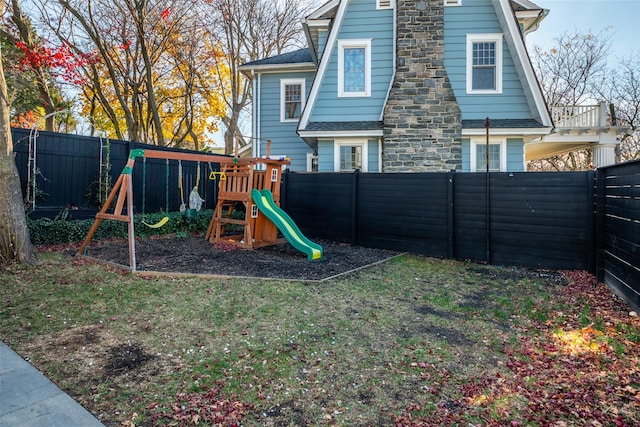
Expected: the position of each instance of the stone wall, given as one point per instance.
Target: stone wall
(422, 121)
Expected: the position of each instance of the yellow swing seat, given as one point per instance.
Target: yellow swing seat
(159, 224)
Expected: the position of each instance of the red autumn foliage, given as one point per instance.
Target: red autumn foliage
(208, 407)
(61, 61)
(568, 374)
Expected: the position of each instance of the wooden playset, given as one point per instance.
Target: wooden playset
(237, 178)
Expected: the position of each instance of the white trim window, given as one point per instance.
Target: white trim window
(384, 4)
(354, 68)
(484, 63)
(312, 162)
(350, 154)
(497, 155)
(292, 99)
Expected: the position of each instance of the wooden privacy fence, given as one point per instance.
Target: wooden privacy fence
(544, 220)
(618, 230)
(537, 220)
(68, 171)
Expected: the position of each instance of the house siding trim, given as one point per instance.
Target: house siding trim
(516, 45)
(324, 64)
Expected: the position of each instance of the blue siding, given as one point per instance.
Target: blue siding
(477, 17)
(374, 156)
(466, 155)
(361, 21)
(322, 41)
(515, 155)
(283, 136)
(325, 155)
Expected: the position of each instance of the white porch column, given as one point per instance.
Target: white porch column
(604, 151)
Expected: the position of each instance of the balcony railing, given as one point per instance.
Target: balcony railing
(580, 116)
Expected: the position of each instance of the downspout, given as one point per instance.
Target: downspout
(256, 113)
(394, 47)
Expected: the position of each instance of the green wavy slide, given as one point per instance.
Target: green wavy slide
(264, 200)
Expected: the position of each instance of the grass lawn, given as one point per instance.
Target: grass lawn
(413, 342)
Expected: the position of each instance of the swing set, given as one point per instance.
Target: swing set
(236, 180)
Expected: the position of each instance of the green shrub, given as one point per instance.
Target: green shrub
(45, 231)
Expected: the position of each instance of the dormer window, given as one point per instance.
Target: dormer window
(484, 63)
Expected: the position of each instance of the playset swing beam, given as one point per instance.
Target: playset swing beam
(237, 187)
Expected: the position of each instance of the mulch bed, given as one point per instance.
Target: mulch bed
(194, 254)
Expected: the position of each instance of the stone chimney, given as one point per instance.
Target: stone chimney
(422, 120)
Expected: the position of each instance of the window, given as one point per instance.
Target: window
(497, 156)
(354, 68)
(292, 92)
(384, 4)
(484, 63)
(350, 155)
(312, 162)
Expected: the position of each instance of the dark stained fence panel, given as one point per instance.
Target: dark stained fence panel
(537, 220)
(542, 220)
(321, 204)
(469, 216)
(69, 167)
(619, 224)
(405, 212)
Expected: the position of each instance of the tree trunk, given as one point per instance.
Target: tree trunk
(15, 243)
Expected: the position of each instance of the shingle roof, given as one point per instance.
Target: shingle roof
(502, 123)
(338, 126)
(301, 56)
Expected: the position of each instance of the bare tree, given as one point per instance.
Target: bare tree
(15, 243)
(247, 30)
(623, 92)
(571, 73)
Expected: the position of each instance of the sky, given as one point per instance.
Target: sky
(622, 17)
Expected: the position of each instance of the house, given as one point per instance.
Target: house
(408, 86)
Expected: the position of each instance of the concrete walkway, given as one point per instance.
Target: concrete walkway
(29, 399)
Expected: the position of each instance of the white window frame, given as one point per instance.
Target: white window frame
(351, 142)
(453, 2)
(473, 160)
(355, 43)
(480, 38)
(310, 157)
(384, 4)
(283, 107)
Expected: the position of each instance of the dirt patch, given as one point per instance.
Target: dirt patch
(196, 255)
(126, 357)
(93, 356)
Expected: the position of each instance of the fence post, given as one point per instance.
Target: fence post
(451, 223)
(600, 198)
(354, 207)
